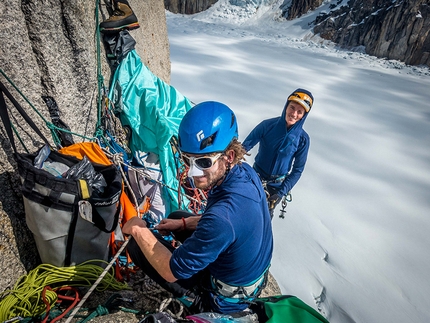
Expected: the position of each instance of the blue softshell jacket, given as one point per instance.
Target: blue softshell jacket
(233, 238)
(282, 151)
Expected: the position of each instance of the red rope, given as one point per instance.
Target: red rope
(198, 195)
(48, 306)
(60, 298)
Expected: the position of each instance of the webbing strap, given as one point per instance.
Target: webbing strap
(6, 120)
(85, 192)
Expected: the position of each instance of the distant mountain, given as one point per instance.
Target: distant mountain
(393, 29)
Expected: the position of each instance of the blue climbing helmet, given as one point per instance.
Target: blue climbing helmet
(208, 127)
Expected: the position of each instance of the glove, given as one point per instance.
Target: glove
(273, 200)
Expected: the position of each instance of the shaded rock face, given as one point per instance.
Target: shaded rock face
(397, 30)
(188, 6)
(49, 48)
(298, 8)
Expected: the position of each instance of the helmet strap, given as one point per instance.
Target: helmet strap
(227, 169)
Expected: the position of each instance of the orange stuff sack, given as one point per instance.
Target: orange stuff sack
(90, 149)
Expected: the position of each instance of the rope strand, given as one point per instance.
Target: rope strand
(25, 299)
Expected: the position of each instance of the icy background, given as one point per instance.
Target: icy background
(355, 241)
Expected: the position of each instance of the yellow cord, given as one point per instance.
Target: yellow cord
(25, 299)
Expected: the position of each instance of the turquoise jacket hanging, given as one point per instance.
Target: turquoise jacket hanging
(152, 109)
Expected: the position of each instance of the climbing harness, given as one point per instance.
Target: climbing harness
(276, 179)
(273, 179)
(287, 198)
(237, 294)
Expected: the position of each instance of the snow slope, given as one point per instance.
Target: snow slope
(355, 240)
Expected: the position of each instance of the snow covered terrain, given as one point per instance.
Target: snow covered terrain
(354, 243)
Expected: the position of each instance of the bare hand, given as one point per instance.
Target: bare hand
(169, 225)
(131, 225)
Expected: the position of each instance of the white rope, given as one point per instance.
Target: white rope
(148, 177)
(166, 302)
(118, 160)
(93, 287)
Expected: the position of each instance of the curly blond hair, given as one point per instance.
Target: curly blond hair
(239, 151)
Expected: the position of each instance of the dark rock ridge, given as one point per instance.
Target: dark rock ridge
(398, 30)
(298, 8)
(188, 6)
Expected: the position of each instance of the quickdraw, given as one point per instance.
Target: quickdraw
(286, 198)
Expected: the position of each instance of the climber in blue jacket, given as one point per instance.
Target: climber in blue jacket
(284, 146)
(223, 263)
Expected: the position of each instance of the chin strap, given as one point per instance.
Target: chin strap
(227, 170)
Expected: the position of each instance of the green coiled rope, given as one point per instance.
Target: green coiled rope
(25, 299)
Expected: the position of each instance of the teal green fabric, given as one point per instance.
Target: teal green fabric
(153, 110)
(284, 308)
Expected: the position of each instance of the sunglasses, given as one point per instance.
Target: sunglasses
(201, 163)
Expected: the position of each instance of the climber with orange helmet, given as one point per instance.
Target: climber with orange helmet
(284, 146)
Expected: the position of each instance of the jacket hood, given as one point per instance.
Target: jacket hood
(298, 124)
(302, 97)
(298, 96)
(294, 132)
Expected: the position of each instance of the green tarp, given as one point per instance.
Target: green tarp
(285, 309)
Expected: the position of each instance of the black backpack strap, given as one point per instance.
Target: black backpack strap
(6, 119)
(63, 131)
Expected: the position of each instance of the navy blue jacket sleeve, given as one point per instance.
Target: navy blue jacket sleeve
(300, 157)
(254, 137)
